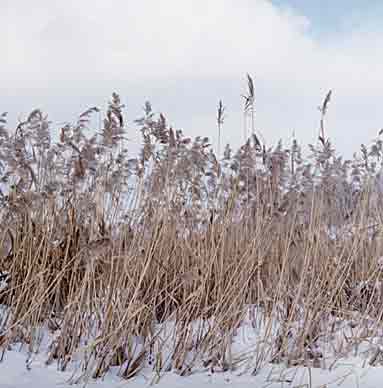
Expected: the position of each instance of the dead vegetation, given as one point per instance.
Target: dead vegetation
(100, 248)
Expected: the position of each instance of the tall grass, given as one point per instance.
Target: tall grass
(109, 251)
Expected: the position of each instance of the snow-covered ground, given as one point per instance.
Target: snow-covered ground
(345, 373)
(353, 369)
(351, 355)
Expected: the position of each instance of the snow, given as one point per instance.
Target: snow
(357, 363)
(4, 280)
(346, 373)
(17, 370)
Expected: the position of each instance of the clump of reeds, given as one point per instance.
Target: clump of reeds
(101, 247)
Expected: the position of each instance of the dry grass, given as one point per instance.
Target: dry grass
(101, 248)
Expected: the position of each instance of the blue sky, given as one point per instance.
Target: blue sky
(329, 17)
(184, 56)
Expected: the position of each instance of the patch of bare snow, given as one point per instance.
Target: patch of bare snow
(349, 373)
(354, 370)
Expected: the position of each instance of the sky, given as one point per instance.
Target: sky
(184, 56)
(330, 17)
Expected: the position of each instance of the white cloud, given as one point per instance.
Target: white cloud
(153, 38)
(64, 47)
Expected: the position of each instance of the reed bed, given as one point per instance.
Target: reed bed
(156, 261)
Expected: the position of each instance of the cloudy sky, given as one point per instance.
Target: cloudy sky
(185, 55)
